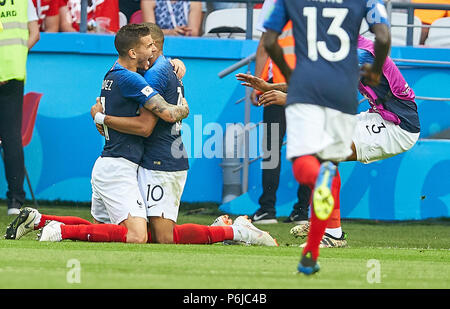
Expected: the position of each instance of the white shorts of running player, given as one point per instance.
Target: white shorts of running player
(162, 192)
(115, 191)
(377, 139)
(313, 129)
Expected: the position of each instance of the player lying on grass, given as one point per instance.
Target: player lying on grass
(161, 178)
(390, 127)
(60, 228)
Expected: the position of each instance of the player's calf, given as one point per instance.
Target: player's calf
(136, 230)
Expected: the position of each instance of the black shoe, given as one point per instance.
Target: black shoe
(262, 216)
(298, 216)
(329, 241)
(22, 224)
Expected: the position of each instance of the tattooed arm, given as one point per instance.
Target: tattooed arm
(141, 125)
(167, 112)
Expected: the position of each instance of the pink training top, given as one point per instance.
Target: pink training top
(399, 87)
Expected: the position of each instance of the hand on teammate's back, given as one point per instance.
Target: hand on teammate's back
(178, 67)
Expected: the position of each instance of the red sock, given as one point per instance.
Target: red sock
(306, 169)
(317, 227)
(201, 234)
(95, 232)
(63, 219)
(335, 218)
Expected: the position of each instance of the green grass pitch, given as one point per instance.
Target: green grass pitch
(380, 255)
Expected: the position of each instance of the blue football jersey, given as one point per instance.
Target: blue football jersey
(326, 38)
(164, 149)
(123, 93)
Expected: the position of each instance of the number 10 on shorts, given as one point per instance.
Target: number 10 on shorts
(154, 192)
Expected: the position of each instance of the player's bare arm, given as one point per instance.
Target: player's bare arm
(372, 73)
(259, 84)
(167, 112)
(275, 52)
(141, 125)
(260, 61)
(254, 82)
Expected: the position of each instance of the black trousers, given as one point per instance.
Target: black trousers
(11, 104)
(271, 177)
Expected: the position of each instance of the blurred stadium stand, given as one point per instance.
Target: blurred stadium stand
(230, 23)
(439, 34)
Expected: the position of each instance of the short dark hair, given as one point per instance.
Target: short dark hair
(156, 33)
(129, 37)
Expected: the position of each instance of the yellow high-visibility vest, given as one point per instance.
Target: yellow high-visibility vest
(13, 39)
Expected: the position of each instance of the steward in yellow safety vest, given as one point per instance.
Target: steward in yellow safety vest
(13, 61)
(13, 39)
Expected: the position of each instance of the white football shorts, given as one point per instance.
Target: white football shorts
(377, 139)
(162, 192)
(115, 191)
(313, 129)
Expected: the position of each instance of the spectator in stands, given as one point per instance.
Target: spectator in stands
(33, 25)
(429, 16)
(176, 18)
(65, 18)
(14, 53)
(129, 7)
(103, 15)
(48, 14)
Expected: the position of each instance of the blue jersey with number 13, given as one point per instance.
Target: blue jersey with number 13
(326, 38)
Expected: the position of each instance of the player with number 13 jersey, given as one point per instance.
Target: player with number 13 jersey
(322, 37)
(322, 94)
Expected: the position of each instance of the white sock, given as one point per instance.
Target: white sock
(336, 233)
